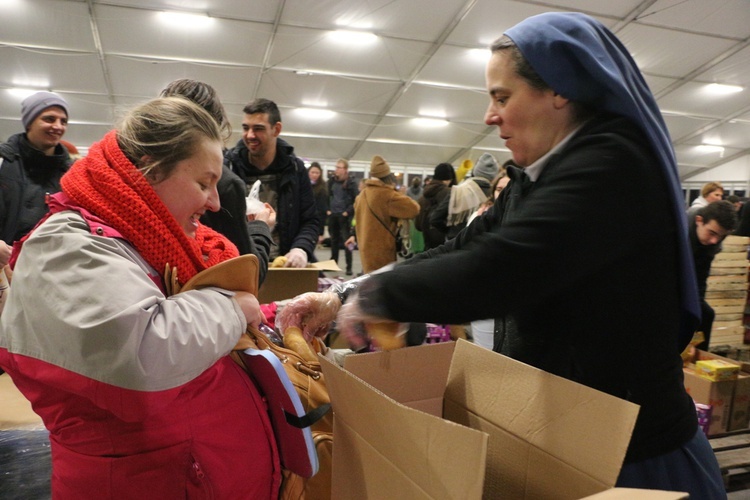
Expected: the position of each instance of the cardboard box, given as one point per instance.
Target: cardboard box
(15, 409)
(454, 420)
(717, 369)
(287, 282)
(739, 413)
(739, 416)
(718, 394)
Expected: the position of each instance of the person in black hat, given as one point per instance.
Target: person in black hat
(438, 189)
(32, 163)
(451, 215)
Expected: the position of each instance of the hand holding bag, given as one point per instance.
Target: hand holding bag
(303, 371)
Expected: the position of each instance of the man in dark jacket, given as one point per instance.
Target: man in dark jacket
(707, 229)
(32, 163)
(285, 185)
(342, 190)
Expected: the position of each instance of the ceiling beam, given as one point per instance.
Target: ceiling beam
(269, 47)
(101, 56)
(719, 163)
(460, 15)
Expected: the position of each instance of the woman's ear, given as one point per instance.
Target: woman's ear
(144, 165)
(559, 101)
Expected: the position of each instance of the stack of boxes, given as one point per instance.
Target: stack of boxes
(722, 384)
(726, 291)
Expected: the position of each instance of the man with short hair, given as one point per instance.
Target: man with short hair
(32, 163)
(262, 155)
(341, 194)
(707, 229)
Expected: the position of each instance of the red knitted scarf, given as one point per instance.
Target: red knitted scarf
(108, 185)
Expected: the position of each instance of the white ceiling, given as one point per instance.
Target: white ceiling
(104, 56)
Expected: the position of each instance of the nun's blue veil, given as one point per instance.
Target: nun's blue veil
(580, 59)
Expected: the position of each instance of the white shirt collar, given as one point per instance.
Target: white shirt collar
(535, 169)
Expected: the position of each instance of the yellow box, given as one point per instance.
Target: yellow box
(717, 369)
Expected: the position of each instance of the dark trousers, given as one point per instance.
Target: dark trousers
(338, 227)
(691, 468)
(707, 322)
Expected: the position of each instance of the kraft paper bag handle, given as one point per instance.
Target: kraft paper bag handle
(237, 274)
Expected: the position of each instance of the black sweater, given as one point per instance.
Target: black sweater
(581, 270)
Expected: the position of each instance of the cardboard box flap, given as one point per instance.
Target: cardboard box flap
(402, 468)
(284, 283)
(326, 265)
(637, 494)
(538, 422)
(425, 369)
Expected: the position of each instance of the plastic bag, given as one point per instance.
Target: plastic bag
(253, 203)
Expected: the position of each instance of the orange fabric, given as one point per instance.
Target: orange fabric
(108, 185)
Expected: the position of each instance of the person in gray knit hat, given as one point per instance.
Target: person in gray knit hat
(35, 104)
(486, 167)
(32, 163)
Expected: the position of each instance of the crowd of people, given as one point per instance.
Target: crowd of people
(549, 254)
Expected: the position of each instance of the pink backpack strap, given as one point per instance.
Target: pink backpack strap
(59, 202)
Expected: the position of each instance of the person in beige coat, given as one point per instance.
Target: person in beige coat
(376, 212)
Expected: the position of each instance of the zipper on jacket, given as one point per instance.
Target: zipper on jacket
(201, 481)
(198, 471)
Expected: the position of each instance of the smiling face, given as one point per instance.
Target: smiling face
(260, 138)
(47, 129)
(190, 189)
(531, 121)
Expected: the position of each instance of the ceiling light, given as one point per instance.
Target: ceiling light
(429, 122)
(359, 25)
(301, 72)
(721, 89)
(185, 19)
(710, 148)
(358, 37)
(315, 113)
(24, 93)
(480, 54)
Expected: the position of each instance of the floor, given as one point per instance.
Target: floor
(324, 253)
(739, 486)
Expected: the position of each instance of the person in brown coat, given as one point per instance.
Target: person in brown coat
(376, 211)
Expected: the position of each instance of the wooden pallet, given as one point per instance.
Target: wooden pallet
(732, 451)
